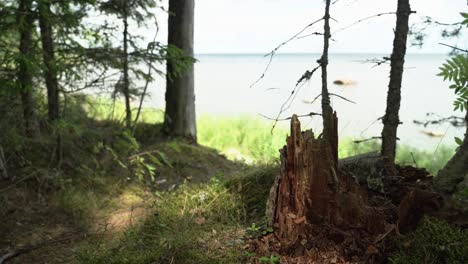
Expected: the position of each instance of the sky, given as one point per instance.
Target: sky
(257, 26)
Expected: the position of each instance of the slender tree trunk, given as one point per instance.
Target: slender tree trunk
(456, 168)
(327, 110)
(180, 120)
(24, 78)
(391, 119)
(126, 81)
(50, 71)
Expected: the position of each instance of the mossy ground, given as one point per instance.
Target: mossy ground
(145, 198)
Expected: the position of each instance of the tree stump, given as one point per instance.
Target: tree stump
(311, 191)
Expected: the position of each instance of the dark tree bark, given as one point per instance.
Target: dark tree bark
(24, 78)
(456, 168)
(126, 81)
(391, 119)
(180, 120)
(50, 71)
(327, 110)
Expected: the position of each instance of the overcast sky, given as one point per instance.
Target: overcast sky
(257, 26)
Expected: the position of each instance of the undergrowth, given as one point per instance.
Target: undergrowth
(434, 241)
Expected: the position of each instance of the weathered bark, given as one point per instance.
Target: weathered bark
(327, 110)
(50, 71)
(391, 119)
(456, 169)
(311, 190)
(24, 78)
(180, 119)
(126, 81)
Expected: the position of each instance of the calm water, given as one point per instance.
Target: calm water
(223, 88)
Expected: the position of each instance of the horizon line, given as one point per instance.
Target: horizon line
(314, 53)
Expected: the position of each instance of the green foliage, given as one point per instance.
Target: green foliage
(259, 230)
(434, 241)
(455, 70)
(271, 260)
(465, 16)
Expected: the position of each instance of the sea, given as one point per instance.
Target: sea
(252, 85)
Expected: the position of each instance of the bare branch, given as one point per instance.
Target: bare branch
(289, 118)
(332, 94)
(365, 140)
(275, 50)
(453, 47)
(376, 61)
(453, 120)
(362, 20)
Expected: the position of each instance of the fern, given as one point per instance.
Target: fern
(455, 70)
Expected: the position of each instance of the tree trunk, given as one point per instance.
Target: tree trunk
(24, 78)
(50, 72)
(180, 118)
(311, 190)
(327, 110)
(456, 168)
(391, 119)
(126, 82)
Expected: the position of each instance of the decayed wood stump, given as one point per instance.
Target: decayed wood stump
(311, 190)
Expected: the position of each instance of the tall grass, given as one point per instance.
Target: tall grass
(251, 139)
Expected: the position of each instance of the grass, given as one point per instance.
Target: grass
(250, 139)
(194, 224)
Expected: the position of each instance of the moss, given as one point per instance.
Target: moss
(434, 241)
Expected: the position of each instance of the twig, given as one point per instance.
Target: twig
(343, 98)
(414, 160)
(27, 249)
(332, 94)
(453, 120)
(364, 19)
(453, 47)
(273, 52)
(377, 61)
(365, 140)
(381, 237)
(148, 78)
(289, 118)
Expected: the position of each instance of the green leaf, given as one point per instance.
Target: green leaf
(458, 141)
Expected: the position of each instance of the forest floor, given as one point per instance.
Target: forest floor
(146, 199)
(52, 227)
